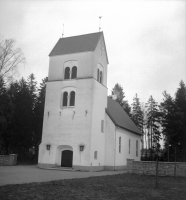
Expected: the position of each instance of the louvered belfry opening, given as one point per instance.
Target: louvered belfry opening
(67, 73)
(74, 72)
(65, 98)
(72, 98)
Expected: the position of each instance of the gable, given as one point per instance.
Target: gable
(101, 48)
(75, 44)
(120, 117)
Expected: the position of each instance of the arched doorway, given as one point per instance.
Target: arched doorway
(66, 158)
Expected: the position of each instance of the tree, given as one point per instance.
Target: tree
(10, 58)
(174, 123)
(153, 124)
(38, 115)
(168, 110)
(137, 115)
(6, 112)
(32, 86)
(118, 92)
(180, 101)
(22, 124)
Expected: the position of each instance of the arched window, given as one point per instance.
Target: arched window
(119, 144)
(74, 72)
(67, 73)
(72, 98)
(65, 98)
(100, 80)
(100, 73)
(136, 148)
(95, 155)
(102, 126)
(98, 76)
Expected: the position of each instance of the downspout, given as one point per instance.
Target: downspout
(115, 150)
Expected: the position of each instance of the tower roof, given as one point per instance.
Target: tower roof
(75, 44)
(120, 117)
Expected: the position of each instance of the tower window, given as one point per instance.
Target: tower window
(102, 126)
(95, 155)
(129, 146)
(119, 144)
(136, 148)
(67, 73)
(65, 98)
(74, 72)
(72, 98)
(98, 75)
(68, 98)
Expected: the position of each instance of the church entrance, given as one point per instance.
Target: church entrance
(66, 158)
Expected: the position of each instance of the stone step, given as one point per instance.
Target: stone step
(62, 168)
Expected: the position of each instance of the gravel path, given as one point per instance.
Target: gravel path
(31, 173)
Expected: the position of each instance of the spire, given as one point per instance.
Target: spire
(100, 23)
(63, 31)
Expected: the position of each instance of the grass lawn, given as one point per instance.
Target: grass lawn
(123, 186)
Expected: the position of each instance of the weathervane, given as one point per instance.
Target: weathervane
(63, 31)
(100, 23)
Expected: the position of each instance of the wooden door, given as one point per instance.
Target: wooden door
(66, 158)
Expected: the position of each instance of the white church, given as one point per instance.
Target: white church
(83, 129)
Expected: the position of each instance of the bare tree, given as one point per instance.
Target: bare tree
(10, 58)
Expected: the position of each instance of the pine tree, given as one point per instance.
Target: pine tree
(39, 113)
(172, 124)
(120, 95)
(137, 114)
(6, 112)
(32, 86)
(22, 124)
(153, 124)
(180, 101)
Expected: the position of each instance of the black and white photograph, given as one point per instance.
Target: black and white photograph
(92, 99)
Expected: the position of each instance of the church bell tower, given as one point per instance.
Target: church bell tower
(76, 97)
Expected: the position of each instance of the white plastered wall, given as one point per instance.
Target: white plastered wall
(98, 109)
(71, 125)
(98, 114)
(109, 141)
(84, 61)
(121, 158)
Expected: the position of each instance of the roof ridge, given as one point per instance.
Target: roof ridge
(81, 35)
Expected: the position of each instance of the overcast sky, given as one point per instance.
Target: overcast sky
(145, 40)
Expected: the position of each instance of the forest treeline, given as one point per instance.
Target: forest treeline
(21, 117)
(162, 124)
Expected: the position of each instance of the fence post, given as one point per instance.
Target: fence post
(157, 181)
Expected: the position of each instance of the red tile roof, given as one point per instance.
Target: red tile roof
(80, 43)
(120, 117)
